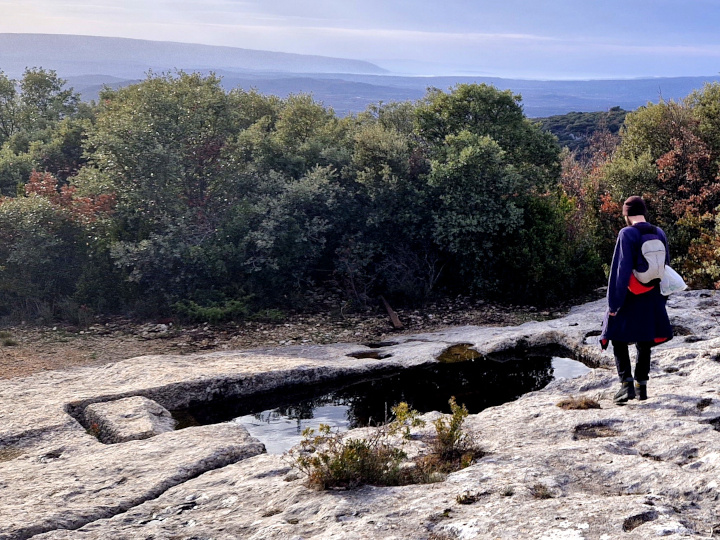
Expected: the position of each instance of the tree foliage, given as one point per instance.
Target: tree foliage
(49, 243)
(42, 125)
(670, 153)
(575, 130)
(173, 195)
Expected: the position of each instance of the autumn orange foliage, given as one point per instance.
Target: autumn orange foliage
(83, 209)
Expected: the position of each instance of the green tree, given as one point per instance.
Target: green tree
(479, 205)
(486, 111)
(42, 125)
(388, 244)
(489, 167)
(293, 138)
(160, 145)
(670, 153)
(45, 100)
(9, 107)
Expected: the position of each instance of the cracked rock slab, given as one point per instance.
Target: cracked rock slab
(128, 419)
(75, 484)
(645, 470)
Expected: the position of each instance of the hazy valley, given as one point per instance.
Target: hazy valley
(348, 86)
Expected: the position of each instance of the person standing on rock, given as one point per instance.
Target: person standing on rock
(636, 311)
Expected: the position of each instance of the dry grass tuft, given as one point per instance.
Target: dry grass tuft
(9, 453)
(541, 491)
(581, 403)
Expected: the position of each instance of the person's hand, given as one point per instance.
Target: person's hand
(612, 314)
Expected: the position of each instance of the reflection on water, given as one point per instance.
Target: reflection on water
(279, 419)
(281, 429)
(565, 368)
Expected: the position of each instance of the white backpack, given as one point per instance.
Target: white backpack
(653, 251)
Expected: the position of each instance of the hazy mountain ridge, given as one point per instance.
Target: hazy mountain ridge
(539, 98)
(349, 86)
(131, 58)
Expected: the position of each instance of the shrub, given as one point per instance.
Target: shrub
(9, 453)
(269, 315)
(405, 418)
(329, 460)
(452, 442)
(541, 491)
(468, 498)
(42, 252)
(214, 312)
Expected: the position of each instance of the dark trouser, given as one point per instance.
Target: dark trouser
(622, 360)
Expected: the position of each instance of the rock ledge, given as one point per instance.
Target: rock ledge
(645, 470)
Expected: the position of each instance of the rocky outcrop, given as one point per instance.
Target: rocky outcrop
(128, 419)
(644, 470)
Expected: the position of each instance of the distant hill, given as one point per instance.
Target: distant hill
(575, 129)
(132, 58)
(349, 86)
(351, 94)
(549, 98)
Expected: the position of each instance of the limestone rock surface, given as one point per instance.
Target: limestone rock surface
(128, 419)
(645, 470)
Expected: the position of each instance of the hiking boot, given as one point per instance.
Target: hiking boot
(626, 393)
(641, 390)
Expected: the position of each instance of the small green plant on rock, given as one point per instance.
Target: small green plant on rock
(94, 430)
(453, 446)
(449, 432)
(329, 460)
(441, 536)
(7, 339)
(405, 418)
(9, 453)
(468, 498)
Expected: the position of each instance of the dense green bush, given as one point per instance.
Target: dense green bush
(669, 152)
(43, 251)
(174, 196)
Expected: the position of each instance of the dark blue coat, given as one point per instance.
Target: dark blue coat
(640, 317)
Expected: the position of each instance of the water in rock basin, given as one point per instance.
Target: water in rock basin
(279, 419)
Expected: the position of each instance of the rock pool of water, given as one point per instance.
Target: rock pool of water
(278, 421)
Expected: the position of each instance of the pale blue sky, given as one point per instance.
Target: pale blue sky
(566, 39)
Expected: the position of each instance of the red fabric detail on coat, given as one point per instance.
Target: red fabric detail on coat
(661, 339)
(636, 287)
